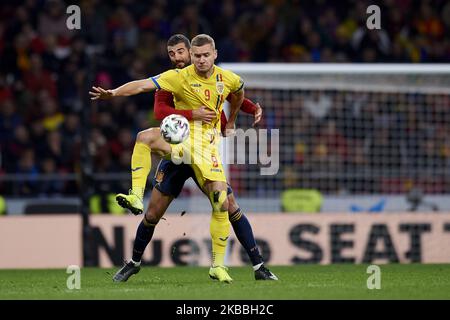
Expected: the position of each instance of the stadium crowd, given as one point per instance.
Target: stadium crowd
(354, 142)
(45, 67)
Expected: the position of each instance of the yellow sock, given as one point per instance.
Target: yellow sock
(219, 229)
(141, 163)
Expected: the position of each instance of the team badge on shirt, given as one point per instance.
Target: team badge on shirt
(220, 86)
(159, 176)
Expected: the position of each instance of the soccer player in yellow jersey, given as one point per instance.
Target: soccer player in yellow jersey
(170, 178)
(204, 84)
(201, 84)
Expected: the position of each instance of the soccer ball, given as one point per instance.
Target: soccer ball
(174, 128)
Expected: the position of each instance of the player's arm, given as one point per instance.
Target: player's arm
(128, 89)
(164, 106)
(248, 106)
(223, 122)
(235, 105)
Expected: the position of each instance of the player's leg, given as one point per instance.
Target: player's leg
(159, 202)
(167, 184)
(219, 228)
(244, 233)
(206, 164)
(158, 205)
(141, 162)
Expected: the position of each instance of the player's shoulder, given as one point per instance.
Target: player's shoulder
(225, 72)
(185, 72)
(226, 75)
(165, 75)
(172, 72)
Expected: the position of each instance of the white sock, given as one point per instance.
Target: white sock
(256, 267)
(136, 264)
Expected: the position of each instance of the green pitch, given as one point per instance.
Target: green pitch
(412, 281)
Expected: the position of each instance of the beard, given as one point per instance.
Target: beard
(180, 64)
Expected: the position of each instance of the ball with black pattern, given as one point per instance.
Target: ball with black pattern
(174, 128)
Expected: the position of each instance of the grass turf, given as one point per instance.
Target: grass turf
(398, 281)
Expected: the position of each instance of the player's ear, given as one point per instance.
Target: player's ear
(215, 54)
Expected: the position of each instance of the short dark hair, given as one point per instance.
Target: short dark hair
(202, 39)
(178, 38)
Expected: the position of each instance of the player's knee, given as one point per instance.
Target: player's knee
(232, 204)
(151, 219)
(143, 137)
(153, 215)
(225, 205)
(219, 200)
(147, 136)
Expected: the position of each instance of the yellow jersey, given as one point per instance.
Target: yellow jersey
(192, 91)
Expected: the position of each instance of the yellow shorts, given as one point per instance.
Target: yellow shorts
(201, 152)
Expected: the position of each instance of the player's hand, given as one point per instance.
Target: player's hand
(203, 114)
(258, 114)
(230, 129)
(100, 93)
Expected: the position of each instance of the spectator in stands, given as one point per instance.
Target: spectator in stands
(54, 186)
(43, 68)
(37, 79)
(52, 21)
(26, 166)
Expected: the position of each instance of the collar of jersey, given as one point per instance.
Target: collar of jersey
(196, 76)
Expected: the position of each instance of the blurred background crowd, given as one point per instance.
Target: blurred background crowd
(44, 68)
(347, 142)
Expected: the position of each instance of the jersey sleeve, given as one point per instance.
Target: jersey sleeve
(168, 81)
(236, 83)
